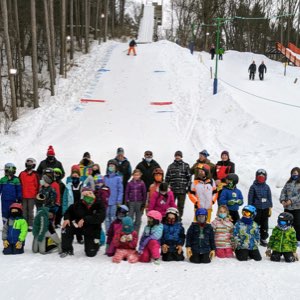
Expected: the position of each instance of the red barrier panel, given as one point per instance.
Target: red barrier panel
(91, 100)
(294, 48)
(288, 54)
(161, 103)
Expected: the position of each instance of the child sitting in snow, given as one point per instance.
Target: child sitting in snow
(122, 212)
(173, 236)
(246, 236)
(14, 231)
(125, 241)
(223, 229)
(200, 240)
(283, 240)
(150, 240)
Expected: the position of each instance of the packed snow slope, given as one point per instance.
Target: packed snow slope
(257, 132)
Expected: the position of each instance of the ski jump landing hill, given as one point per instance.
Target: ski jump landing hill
(147, 25)
(292, 53)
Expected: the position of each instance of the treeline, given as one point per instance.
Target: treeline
(194, 19)
(41, 37)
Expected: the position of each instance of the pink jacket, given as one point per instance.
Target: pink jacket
(223, 229)
(161, 202)
(125, 245)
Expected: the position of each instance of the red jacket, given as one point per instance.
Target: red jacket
(125, 245)
(30, 184)
(56, 187)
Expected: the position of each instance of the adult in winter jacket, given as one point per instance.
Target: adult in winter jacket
(178, 176)
(132, 45)
(162, 199)
(203, 162)
(212, 51)
(252, 70)
(30, 182)
(223, 167)
(173, 236)
(50, 162)
(147, 166)
(135, 198)
(114, 182)
(14, 231)
(85, 166)
(10, 190)
(261, 198)
(290, 198)
(283, 240)
(261, 70)
(246, 236)
(87, 215)
(200, 239)
(124, 167)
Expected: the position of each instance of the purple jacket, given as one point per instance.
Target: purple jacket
(161, 202)
(136, 191)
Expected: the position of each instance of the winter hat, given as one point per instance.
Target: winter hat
(127, 225)
(148, 153)
(75, 169)
(178, 153)
(86, 155)
(112, 162)
(120, 150)
(225, 152)
(50, 151)
(154, 214)
(47, 179)
(204, 153)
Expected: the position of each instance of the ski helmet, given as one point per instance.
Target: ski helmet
(113, 162)
(251, 209)
(154, 214)
(233, 177)
(18, 206)
(122, 211)
(261, 172)
(99, 179)
(158, 171)
(57, 171)
(30, 162)
(49, 172)
(201, 212)
(10, 169)
(285, 219)
(172, 210)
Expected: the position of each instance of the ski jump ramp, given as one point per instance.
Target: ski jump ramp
(146, 29)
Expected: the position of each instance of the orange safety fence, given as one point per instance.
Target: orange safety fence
(288, 54)
(294, 48)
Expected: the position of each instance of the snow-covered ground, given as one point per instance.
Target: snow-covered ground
(257, 132)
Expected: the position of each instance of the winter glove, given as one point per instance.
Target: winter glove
(129, 237)
(5, 243)
(179, 249)
(164, 248)
(268, 252)
(19, 245)
(212, 254)
(123, 239)
(296, 256)
(239, 202)
(270, 212)
(189, 252)
(231, 202)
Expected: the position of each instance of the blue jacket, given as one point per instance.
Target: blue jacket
(14, 230)
(227, 195)
(260, 195)
(200, 239)
(10, 192)
(173, 235)
(150, 233)
(114, 182)
(68, 196)
(246, 236)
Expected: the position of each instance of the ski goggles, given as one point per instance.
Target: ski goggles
(246, 213)
(282, 222)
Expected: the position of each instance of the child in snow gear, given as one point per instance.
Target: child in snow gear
(30, 183)
(85, 166)
(14, 231)
(283, 240)
(62, 187)
(114, 182)
(246, 235)
(203, 192)
(132, 45)
(122, 212)
(173, 236)
(158, 176)
(90, 179)
(162, 200)
(47, 194)
(150, 240)
(125, 241)
(232, 197)
(200, 240)
(223, 229)
(102, 192)
(212, 51)
(260, 196)
(252, 70)
(261, 70)
(223, 167)
(221, 52)
(290, 199)
(135, 198)
(179, 177)
(45, 238)
(10, 190)
(87, 216)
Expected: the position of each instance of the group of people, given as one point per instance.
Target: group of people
(262, 69)
(88, 199)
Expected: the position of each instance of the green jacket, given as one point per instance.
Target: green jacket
(283, 240)
(15, 230)
(41, 223)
